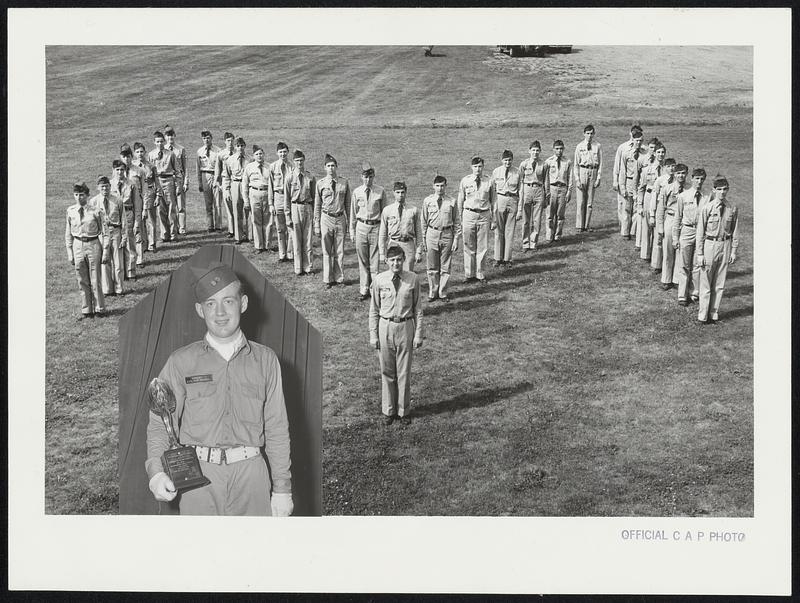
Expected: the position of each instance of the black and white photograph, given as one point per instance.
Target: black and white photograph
(417, 296)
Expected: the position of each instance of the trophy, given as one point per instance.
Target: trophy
(180, 462)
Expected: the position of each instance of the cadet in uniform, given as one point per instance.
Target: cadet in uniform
(639, 219)
(110, 207)
(395, 330)
(507, 182)
(230, 407)
(137, 175)
(255, 191)
(278, 170)
(331, 211)
(232, 171)
(369, 200)
(535, 194)
(666, 179)
(299, 188)
(646, 204)
(441, 227)
(150, 194)
(717, 243)
(665, 220)
(85, 227)
(476, 203)
(181, 176)
(626, 179)
(401, 225)
(559, 172)
(588, 171)
(166, 167)
(206, 181)
(128, 193)
(684, 234)
(222, 156)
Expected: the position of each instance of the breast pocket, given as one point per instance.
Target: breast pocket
(248, 406)
(201, 403)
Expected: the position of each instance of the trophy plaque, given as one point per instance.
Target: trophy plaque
(180, 462)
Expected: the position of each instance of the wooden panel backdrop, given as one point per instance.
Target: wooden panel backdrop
(165, 320)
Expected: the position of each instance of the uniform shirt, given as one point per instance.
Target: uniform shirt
(588, 157)
(256, 176)
(559, 171)
(137, 175)
(472, 197)
(506, 184)
(166, 165)
(110, 208)
(394, 226)
(388, 303)
(440, 214)
(718, 219)
(690, 202)
(656, 197)
(86, 223)
(668, 202)
(534, 173)
(206, 161)
(621, 149)
(367, 207)
(148, 174)
(128, 193)
(278, 171)
(330, 199)
(233, 169)
(626, 169)
(180, 159)
(222, 403)
(219, 166)
(300, 186)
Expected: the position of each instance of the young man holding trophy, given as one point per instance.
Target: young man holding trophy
(226, 396)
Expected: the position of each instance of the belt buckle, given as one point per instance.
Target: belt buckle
(223, 460)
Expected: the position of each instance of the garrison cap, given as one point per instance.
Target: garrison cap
(393, 250)
(477, 160)
(205, 133)
(240, 141)
(116, 164)
(211, 279)
(125, 150)
(399, 185)
(169, 130)
(698, 172)
(439, 178)
(80, 187)
(282, 145)
(257, 148)
(103, 180)
(681, 167)
(366, 168)
(330, 159)
(720, 181)
(298, 154)
(508, 154)
(228, 135)
(558, 143)
(669, 161)
(535, 145)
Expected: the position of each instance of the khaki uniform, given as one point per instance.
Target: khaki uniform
(395, 321)
(255, 192)
(166, 167)
(656, 200)
(331, 211)
(114, 217)
(365, 221)
(665, 220)
(84, 231)
(559, 175)
(403, 228)
(441, 226)
(684, 235)
(637, 226)
(647, 207)
(299, 190)
(278, 170)
(181, 183)
(138, 175)
(150, 191)
(535, 195)
(232, 172)
(626, 177)
(718, 237)
(588, 169)
(506, 185)
(219, 167)
(207, 183)
(475, 205)
(132, 252)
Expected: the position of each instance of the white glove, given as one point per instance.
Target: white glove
(162, 487)
(282, 505)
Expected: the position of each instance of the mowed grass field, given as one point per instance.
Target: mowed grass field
(567, 385)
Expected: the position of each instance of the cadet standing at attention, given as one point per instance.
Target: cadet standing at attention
(181, 176)
(110, 207)
(441, 227)
(300, 187)
(656, 199)
(137, 175)
(476, 203)
(559, 172)
(395, 330)
(665, 220)
(85, 228)
(206, 181)
(150, 196)
(588, 171)
(232, 171)
(626, 179)
(507, 182)
(717, 243)
(128, 193)
(331, 212)
(368, 202)
(535, 194)
(684, 234)
(166, 168)
(222, 156)
(401, 225)
(255, 192)
(646, 204)
(280, 211)
(639, 219)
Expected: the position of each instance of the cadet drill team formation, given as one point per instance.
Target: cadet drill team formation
(687, 236)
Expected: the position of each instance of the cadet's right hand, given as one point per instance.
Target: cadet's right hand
(318, 232)
(615, 187)
(518, 217)
(227, 196)
(162, 487)
(375, 344)
(71, 260)
(701, 261)
(455, 245)
(651, 221)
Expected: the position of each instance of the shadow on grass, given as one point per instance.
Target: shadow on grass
(473, 399)
(746, 311)
(501, 281)
(731, 292)
(439, 307)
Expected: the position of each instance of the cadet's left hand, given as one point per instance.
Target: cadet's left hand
(418, 257)
(417, 343)
(733, 258)
(282, 504)
(123, 242)
(518, 217)
(492, 225)
(455, 245)
(272, 210)
(597, 183)
(375, 344)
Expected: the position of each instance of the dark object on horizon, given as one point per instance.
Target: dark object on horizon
(521, 51)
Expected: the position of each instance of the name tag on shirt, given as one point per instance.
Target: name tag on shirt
(198, 379)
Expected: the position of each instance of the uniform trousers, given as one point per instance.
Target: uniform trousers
(644, 237)
(211, 198)
(230, 213)
(167, 210)
(150, 219)
(241, 488)
(712, 278)
(368, 255)
(557, 210)
(532, 208)
(689, 274)
(284, 233)
(181, 204)
(132, 248)
(585, 197)
(241, 222)
(396, 352)
(506, 218)
(440, 252)
(87, 268)
(302, 228)
(476, 241)
(112, 269)
(259, 210)
(332, 231)
(669, 267)
(625, 212)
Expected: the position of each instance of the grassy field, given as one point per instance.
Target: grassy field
(567, 385)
